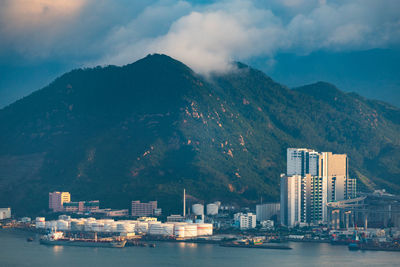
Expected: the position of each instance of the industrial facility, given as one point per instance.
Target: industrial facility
(150, 227)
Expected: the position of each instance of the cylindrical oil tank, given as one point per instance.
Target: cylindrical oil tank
(198, 209)
(40, 219)
(190, 230)
(40, 224)
(125, 227)
(167, 229)
(89, 226)
(77, 226)
(98, 227)
(204, 229)
(179, 231)
(142, 227)
(64, 217)
(212, 209)
(62, 225)
(155, 229)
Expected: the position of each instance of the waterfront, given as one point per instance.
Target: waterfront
(16, 251)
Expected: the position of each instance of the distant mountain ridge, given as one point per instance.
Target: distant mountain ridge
(148, 129)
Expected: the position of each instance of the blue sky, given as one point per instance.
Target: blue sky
(352, 43)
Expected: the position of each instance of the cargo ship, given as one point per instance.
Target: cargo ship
(58, 239)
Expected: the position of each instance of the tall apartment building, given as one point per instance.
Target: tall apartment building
(335, 168)
(143, 209)
(323, 178)
(57, 199)
(290, 199)
(302, 161)
(314, 193)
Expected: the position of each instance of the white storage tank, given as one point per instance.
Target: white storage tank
(25, 219)
(198, 209)
(142, 227)
(62, 225)
(40, 219)
(108, 226)
(40, 224)
(212, 209)
(50, 225)
(204, 229)
(89, 226)
(179, 231)
(77, 225)
(125, 227)
(64, 217)
(98, 227)
(167, 229)
(155, 229)
(190, 230)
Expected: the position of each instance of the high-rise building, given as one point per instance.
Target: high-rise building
(334, 167)
(302, 161)
(57, 199)
(290, 199)
(143, 209)
(266, 211)
(314, 192)
(323, 178)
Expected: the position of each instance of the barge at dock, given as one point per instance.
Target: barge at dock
(254, 243)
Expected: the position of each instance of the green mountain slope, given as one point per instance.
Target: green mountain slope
(149, 129)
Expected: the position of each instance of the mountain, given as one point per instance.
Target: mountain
(149, 129)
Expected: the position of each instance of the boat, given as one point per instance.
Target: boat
(248, 245)
(29, 239)
(354, 246)
(153, 245)
(58, 239)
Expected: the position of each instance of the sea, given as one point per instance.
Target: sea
(16, 251)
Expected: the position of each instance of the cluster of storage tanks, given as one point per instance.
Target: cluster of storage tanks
(211, 209)
(177, 229)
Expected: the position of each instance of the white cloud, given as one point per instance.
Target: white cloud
(206, 37)
(209, 38)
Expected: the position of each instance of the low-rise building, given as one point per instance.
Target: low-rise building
(267, 224)
(5, 213)
(82, 206)
(111, 212)
(143, 209)
(246, 221)
(175, 218)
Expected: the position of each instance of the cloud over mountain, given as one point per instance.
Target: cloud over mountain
(205, 36)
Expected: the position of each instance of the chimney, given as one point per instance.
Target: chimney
(184, 203)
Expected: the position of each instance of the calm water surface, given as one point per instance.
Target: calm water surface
(16, 251)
